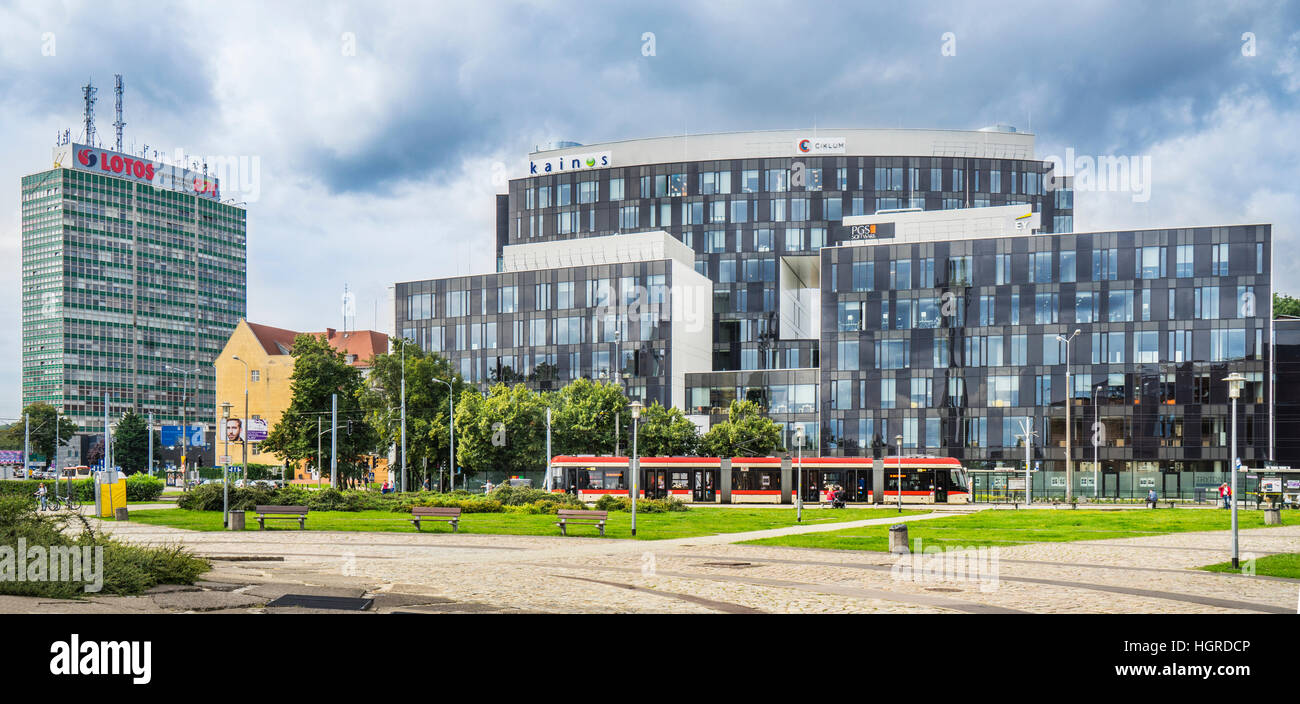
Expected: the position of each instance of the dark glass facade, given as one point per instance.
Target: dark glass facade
(740, 216)
(548, 327)
(950, 344)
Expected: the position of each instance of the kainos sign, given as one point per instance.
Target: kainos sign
(572, 162)
(820, 145)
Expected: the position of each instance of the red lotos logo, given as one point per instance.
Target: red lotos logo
(86, 157)
(120, 165)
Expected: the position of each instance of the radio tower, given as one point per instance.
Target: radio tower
(119, 124)
(88, 92)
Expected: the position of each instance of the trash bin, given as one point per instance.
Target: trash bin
(236, 520)
(898, 539)
(120, 513)
(1272, 516)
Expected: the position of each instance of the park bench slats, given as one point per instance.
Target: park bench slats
(593, 518)
(449, 514)
(298, 513)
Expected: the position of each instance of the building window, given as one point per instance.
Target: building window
(255, 375)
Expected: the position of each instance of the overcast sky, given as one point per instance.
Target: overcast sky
(382, 130)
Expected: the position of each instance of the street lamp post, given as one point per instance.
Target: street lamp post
(244, 425)
(1069, 466)
(1096, 445)
(451, 430)
(636, 461)
(1235, 382)
(898, 442)
(225, 471)
(799, 434)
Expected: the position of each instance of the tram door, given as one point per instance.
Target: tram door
(811, 483)
(862, 484)
(940, 478)
(703, 489)
(654, 482)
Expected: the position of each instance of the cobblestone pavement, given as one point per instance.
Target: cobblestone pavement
(461, 572)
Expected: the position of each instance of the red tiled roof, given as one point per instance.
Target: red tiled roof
(359, 345)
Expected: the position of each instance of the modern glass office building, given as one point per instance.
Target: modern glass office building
(873, 283)
(133, 273)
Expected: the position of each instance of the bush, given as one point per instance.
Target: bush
(466, 502)
(128, 569)
(609, 502)
(523, 495)
(142, 487)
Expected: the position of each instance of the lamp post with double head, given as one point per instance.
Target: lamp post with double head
(185, 430)
(1069, 465)
(1235, 382)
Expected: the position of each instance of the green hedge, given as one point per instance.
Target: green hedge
(139, 487)
(209, 497)
(609, 502)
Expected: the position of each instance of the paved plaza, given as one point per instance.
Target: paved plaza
(450, 573)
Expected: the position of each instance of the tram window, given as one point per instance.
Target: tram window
(757, 480)
(681, 480)
(600, 479)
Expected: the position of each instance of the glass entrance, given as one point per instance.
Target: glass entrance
(703, 486)
(654, 482)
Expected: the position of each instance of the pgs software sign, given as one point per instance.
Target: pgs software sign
(572, 162)
(101, 161)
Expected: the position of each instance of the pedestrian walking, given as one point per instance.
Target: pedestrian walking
(41, 494)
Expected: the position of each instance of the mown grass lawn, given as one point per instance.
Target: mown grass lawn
(1005, 528)
(1287, 565)
(650, 526)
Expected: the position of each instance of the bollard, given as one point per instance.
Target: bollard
(1272, 516)
(120, 513)
(236, 520)
(898, 539)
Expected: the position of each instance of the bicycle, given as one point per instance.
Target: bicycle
(56, 502)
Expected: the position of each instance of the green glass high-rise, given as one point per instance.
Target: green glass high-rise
(134, 273)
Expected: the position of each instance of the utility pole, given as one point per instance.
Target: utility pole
(334, 442)
(319, 432)
(105, 459)
(150, 432)
(27, 445)
(547, 483)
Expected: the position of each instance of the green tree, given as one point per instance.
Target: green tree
(1285, 305)
(745, 433)
(131, 443)
(40, 419)
(505, 431)
(319, 371)
(667, 432)
(583, 417)
(427, 432)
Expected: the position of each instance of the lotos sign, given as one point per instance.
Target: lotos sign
(101, 161)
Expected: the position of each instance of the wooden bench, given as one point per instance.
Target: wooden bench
(435, 513)
(298, 513)
(590, 518)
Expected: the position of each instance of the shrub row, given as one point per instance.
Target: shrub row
(209, 497)
(139, 487)
(609, 502)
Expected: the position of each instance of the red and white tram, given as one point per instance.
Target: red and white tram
(765, 479)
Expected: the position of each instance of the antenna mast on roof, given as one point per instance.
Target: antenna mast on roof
(117, 126)
(88, 94)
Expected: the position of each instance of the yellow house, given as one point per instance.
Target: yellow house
(258, 356)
